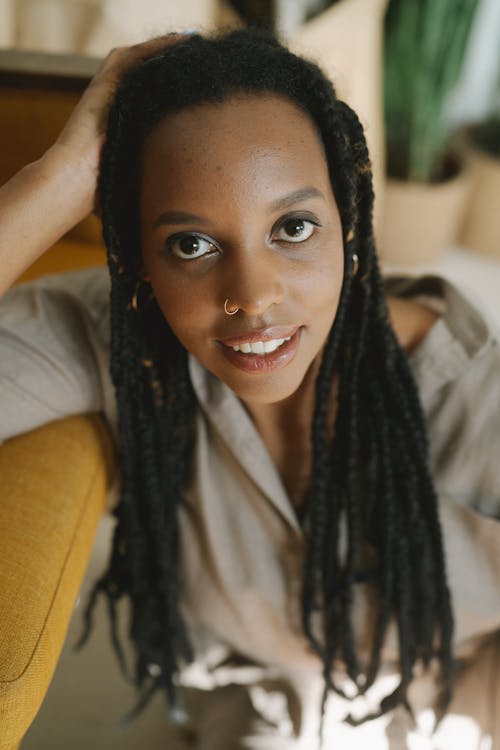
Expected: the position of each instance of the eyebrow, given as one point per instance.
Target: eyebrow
(297, 196)
(183, 217)
(179, 217)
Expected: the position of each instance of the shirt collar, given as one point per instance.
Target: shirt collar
(227, 415)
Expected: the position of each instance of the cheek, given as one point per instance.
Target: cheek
(187, 308)
(322, 286)
(175, 303)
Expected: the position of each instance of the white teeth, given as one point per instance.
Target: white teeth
(271, 346)
(260, 347)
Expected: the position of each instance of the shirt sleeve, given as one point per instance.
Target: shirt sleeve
(54, 344)
(465, 434)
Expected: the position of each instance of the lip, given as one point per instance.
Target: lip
(263, 363)
(265, 334)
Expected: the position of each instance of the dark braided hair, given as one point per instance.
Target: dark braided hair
(371, 484)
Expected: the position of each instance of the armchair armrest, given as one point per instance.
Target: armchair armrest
(53, 492)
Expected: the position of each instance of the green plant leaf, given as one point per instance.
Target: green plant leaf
(425, 44)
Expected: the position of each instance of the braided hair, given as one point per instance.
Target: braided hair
(370, 484)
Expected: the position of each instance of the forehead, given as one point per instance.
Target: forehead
(255, 140)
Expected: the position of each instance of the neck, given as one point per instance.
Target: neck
(293, 411)
(285, 428)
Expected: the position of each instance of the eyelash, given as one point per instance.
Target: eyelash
(175, 238)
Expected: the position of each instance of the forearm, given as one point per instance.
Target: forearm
(39, 204)
(47, 198)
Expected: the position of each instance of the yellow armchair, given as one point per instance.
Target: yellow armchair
(54, 482)
(54, 479)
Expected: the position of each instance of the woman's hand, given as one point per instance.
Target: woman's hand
(82, 137)
(48, 197)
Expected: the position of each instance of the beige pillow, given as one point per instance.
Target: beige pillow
(346, 41)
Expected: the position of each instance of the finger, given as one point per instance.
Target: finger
(121, 59)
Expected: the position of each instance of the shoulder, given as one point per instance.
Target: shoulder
(452, 336)
(54, 349)
(59, 306)
(88, 287)
(457, 369)
(410, 320)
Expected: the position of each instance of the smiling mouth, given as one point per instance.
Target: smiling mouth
(260, 348)
(262, 354)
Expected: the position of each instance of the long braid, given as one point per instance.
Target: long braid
(156, 411)
(404, 503)
(370, 485)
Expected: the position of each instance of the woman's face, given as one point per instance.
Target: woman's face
(236, 204)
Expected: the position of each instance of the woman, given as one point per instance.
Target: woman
(278, 532)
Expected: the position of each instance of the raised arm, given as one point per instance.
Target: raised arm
(48, 197)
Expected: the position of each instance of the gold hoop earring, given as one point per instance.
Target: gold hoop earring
(134, 304)
(231, 311)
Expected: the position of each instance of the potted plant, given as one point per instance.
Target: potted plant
(481, 228)
(427, 187)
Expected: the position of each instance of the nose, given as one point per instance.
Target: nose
(254, 280)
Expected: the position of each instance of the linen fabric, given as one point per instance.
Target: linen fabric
(255, 682)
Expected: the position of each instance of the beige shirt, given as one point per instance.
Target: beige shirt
(242, 545)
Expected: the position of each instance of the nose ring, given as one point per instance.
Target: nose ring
(230, 310)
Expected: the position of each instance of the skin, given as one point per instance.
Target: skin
(244, 151)
(228, 164)
(48, 197)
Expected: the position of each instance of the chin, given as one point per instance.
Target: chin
(266, 390)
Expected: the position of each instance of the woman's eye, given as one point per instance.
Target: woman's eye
(189, 246)
(295, 230)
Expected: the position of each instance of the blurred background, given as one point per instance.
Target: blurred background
(424, 78)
